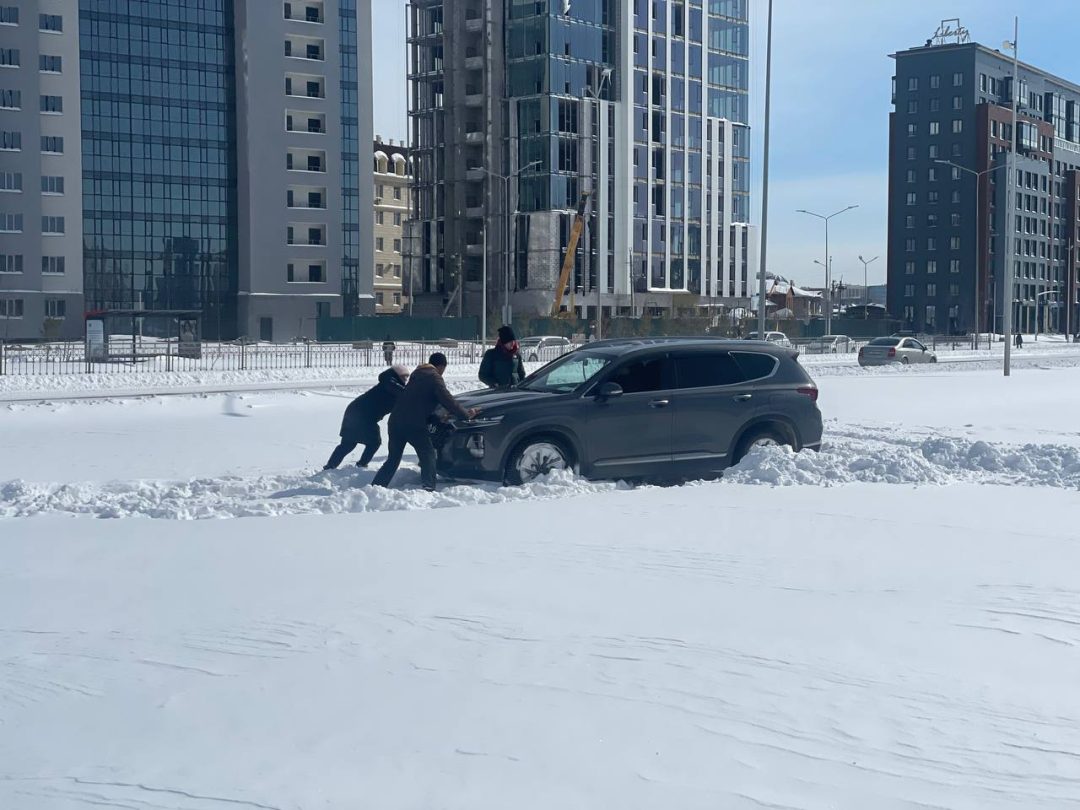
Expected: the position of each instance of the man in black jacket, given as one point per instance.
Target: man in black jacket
(425, 392)
(501, 367)
(361, 422)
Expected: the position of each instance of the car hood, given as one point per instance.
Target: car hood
(492, 399)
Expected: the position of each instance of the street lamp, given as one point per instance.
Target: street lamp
(1046, 315)
(765, 179)
(866, 285)
(1010, 159)
(605, 78)
(979, 244)
(506, 178)
(828, 268)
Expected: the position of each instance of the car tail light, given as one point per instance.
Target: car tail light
(892, 352)
(808, 391)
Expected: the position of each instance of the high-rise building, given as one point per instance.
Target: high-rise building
(955, 217)
(192, 155)
(518, 108)
(393, 179)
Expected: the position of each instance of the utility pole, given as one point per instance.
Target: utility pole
(1010, 194)
(765, 181)
(866, 284)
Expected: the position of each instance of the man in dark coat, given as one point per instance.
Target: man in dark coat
(501, 367)
(425, 392)
(360, 424)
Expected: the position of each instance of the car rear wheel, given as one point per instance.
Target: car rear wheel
(904, 361)
(536, 457)
(759, 437)
(533, 358)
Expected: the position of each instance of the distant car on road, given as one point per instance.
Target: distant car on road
(545, 348)
(666, 409)
(776, 338)
(829, 344)
(904, 350)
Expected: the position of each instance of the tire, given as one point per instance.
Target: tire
(533, 358)
(759, 437)
(933, 359)
(537, 456)
(904, 361)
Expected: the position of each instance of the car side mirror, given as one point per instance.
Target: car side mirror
(924, 348)
(608, 390)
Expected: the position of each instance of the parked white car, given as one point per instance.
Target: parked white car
(545, 348)
(776, 338)
(904, 350)
(829, 344)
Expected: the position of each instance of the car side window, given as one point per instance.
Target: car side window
(639, 376)
(755, 365)
(708, 369)
(916, 345)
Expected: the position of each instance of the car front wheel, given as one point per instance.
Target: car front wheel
(535, 458)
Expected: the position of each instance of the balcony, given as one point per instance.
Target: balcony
(299, 85)
(474, 63)
(310, 11)
(299, 234)
(305, 48)
(309, 122)
(474, 137)
(474, 25)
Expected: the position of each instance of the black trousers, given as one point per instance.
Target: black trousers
(420, 440)
(370, 438)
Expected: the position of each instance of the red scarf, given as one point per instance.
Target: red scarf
(509, 349)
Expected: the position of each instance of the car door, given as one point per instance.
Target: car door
(712, 403)
(918, 351)
(629, 436)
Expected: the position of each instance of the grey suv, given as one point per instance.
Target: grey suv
(662, 409)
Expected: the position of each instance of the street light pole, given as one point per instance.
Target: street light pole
(765, 180)
(1007, 294)
(828, 263)
(866, 284)
(506, 178)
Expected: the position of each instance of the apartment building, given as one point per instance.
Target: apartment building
(956, 218)
(192, 155)
(392, 167)
(520, 108)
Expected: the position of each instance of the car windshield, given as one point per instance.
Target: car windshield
(884, 341)
(568, 373)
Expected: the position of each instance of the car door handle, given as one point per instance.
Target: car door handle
(742, 397)
(659, 403)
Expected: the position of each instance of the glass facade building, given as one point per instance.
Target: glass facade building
(350, 160)
(159, 157)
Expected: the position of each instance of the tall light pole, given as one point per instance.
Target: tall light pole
(828, 264)
(979, 243)
(866, 284)
(1007, 295)
(605, 77)
(506, 178)
(765, 180)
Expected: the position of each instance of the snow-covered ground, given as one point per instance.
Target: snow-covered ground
(896, 626)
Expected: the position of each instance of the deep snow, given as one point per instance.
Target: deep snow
(895, 626)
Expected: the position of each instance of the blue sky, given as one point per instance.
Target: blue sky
(831, 84)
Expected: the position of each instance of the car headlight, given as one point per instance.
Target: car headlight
(479, 422)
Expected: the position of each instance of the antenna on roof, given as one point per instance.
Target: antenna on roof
(950, 31)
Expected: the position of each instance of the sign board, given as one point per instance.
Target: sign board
(189, 344)
(97, 348)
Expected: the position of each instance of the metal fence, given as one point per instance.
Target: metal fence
(161, 355)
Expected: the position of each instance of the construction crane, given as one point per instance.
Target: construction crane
(571, 250)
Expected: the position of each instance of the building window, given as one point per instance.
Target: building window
(397, 246)
(954, 243)
(379, 218)
(11, 223)
(912, 84)
(935, 128)
(909, 268)
(52, 225)
(52, 144)
(957, 126)
(910, 221)
(11, 307)
(52, 104)
(379, 299)
(52, 265)
(11, 263)
(397, 218)
(52, 185)
(397, 271)
(958, 102)
(935, 81)
(956, 197)
(397, 299)
(931, 316)
(911, 198)
(957, 150)
(935, 105)
(958, 80)
(397, 192)
(909, 244)
(315, 273)
(10, 181)
(10, 141)
(954, 219)
(932, 197)
(954, 290)
(954, 265)
(50, 22)
(931, 243)
(379, 243)
(931, 220)
(933, 151)
(931, 174)
(9, 57)
(912, 107)
(931, 290)
(11, 99)
(931, 266)
(9, 15)
(50, 64)
(911, 175)
(911, 153)
(55, 308)
(912, 130)
(909, 291)
(379, 270)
